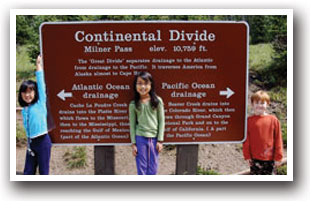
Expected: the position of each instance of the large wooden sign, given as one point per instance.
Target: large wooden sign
(199, 68)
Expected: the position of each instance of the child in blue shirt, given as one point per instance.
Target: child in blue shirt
(32, 97)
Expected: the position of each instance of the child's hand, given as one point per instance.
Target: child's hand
(250, 162)
(159, 146)
(39, 63)
(134, 150)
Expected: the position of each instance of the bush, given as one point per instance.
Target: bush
(284, 133)
(282, 170)
(260, 56)
(76, 159)
(24, 69)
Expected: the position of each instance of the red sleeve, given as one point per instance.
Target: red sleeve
(278, 147)
(246, 145)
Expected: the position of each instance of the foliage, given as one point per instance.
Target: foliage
(282, 170)
(276, 73)
(76, 158)
(279, 94)
(284, 133)
(260, 56)
(20, 134)
(24, 69)
(202, 171)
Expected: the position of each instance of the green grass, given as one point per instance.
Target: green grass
(76, 158)
(201, 171)
(260, 56)
(282, 170)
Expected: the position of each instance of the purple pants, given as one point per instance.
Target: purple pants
(147, 157)
(41, 146)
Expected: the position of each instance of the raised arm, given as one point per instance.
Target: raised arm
(40, 81)
(39, 63)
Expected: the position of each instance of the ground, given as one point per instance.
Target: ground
(223, 158)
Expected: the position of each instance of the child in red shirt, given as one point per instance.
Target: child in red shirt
(263, 147)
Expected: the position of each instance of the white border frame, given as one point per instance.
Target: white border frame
(287, 12)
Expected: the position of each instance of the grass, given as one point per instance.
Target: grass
(282, 170)
(202, 171)
(260, 56)
(76, 158)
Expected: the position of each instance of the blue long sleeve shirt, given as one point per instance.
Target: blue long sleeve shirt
(35, 115)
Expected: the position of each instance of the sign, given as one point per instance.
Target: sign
(199, 69)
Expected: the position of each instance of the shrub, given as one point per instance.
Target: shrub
(282, 170)
(76, 159)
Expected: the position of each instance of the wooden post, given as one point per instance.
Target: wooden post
(104, 160)
(187, 159)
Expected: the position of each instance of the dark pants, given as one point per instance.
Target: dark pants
(259, 167)
(147, 157)
(41, 147)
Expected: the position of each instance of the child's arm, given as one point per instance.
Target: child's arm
(134, 149)
(132, 123)
(161, 121)
(39, 63)
(159, 146)
(278, 149)
(40, 81)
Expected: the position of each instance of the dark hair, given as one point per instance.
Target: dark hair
(146, 76)
(29, 84)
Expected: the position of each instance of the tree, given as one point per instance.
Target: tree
(276, 73)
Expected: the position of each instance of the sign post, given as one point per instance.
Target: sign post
(187, 159)
(104, 160)
(199, 68)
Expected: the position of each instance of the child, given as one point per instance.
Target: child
(263, 146)
(147, 123)
(32, 98)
